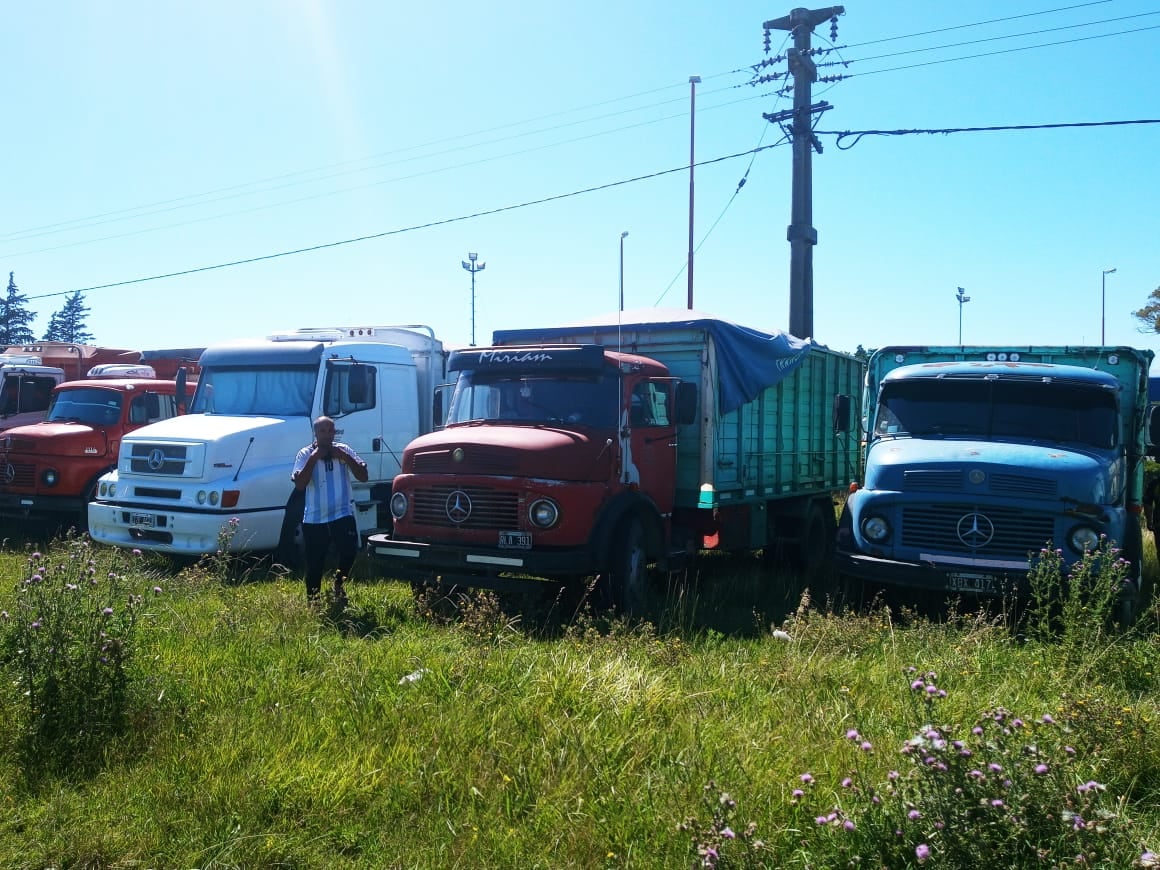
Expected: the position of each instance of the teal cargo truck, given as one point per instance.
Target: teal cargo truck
(602, 448)
(979, 457)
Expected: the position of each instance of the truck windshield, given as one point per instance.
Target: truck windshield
(85, 405)
(999, 409)
(583, 399)
(283, 391)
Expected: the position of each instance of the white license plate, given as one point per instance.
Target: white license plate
(515, 541)
(960, 582)
(143, 521)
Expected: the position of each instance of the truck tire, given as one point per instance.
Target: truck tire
(1132, 596)
(812, 554)
(290, 546)
(628, 572)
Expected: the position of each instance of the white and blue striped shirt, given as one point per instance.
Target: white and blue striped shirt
(329, 495)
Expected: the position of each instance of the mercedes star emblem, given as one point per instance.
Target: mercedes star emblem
(156, 459)
(975, 530)
(458, 507)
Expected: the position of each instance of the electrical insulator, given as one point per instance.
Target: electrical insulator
(767, 40)
(834, 29)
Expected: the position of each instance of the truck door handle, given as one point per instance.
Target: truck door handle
(377, 444)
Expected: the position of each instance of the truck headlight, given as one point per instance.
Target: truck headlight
(543, 513)
(201, 496)
(398, 505)
(876, 529)
(107, 490)
(49, 477)
(1084, 539)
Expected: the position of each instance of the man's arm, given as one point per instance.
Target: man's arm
(304, 470)
(353, 461)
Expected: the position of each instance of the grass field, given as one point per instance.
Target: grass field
(155, 718)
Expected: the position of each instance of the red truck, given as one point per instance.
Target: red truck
(28, 372)
(49, 470)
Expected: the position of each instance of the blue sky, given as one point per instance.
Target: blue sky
(148, 138)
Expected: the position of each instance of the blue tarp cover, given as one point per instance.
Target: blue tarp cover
(748, 360)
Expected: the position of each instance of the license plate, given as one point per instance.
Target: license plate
(958, 582)
(515, 541)
(144, 521)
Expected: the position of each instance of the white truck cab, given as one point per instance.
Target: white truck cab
(180, 482)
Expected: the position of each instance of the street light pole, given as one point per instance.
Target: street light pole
(1103, 297)
(473, 267)
(622, 237)
(962, 297)
(693, 80)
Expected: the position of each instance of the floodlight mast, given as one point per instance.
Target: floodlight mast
(473, 267)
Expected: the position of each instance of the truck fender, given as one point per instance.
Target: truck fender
(626, 503)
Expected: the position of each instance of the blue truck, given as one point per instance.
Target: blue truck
(977, 458)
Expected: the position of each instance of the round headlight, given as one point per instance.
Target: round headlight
(214, 497)
(201, 496)
(398, 505)
(102, 489)
(49, 477)
(1084, 539)
(875, 529)
(543, 513)
(112, 490)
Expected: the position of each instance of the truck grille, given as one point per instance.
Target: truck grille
(18, 474)
(997, 532)
(476, 460)
(168, 459)
(953, 480)
(488, 509)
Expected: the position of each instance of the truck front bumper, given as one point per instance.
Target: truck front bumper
(22, 506)
(183, 532)
(482, 567)
(982, 580)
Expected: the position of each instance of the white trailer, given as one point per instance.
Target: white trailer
(180, 482)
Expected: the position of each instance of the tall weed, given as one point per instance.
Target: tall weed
(67, 643)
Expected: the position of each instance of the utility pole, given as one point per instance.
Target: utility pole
(693, 80)
(473, 267)
(801, 234)
(962, 297)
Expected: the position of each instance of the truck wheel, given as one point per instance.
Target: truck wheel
(813, 551)
(629, 568)
(290, 547)
(1129, 604)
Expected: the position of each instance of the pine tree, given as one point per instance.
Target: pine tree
(68, 324)
(15, 318)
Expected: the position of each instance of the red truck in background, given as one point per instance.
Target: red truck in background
(49, 470)
(29, 372)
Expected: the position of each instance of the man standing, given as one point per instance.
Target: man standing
(323, 471)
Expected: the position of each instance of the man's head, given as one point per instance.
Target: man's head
(324, 431)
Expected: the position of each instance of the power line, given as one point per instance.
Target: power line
(858, 134)
(580, 192)
(401, 230)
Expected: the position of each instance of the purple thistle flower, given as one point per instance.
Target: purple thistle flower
(918, 685)
(820, 820)
(997, 802)
(1041, 769)
(853, 734)
(847, 782)
(976, 774)
(156, 590)
(977, 731)
(108, 611)
(932, 690)
(1047, 720)
(994, 767)
(136, 552)
(797, 794)
(807, 778)
(914, 815)
(36, 555)
(728, 834)
(866, 746)
(893, 775)
(1069, 750)
(848, 824)
(922, 852)
(942, 693)
(35, 624)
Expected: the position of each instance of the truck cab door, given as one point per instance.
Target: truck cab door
(650, 456)
(351, 398)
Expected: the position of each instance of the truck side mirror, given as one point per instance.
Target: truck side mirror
(686, 410)
(1153, 440)
(841, 413)
(440, 404)
(182, 389)
(356, 385)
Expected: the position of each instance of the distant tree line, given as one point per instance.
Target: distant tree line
(67, 324)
